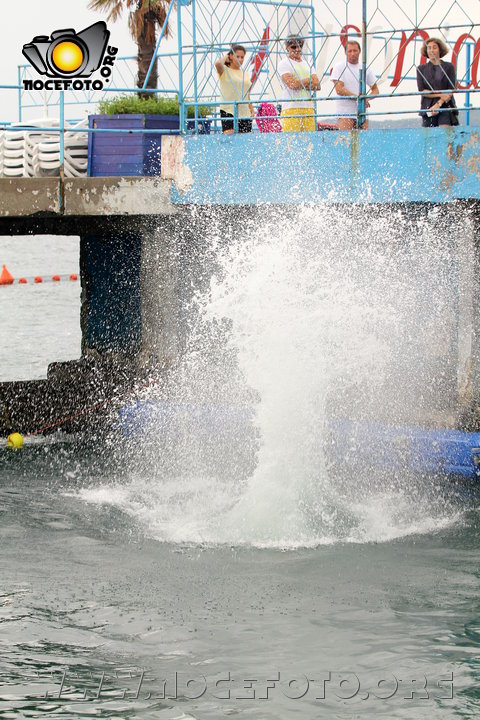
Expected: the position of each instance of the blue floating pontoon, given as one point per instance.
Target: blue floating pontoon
(384, 447)
(149, 416)
(352, 444)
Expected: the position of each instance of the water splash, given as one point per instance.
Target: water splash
(327, 311)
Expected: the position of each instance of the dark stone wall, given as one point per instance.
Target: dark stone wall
(111, 296)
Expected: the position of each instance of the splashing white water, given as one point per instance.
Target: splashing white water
(317, 314)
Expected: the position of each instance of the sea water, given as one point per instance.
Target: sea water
(216, 563)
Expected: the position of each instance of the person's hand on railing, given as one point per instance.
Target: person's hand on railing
(442, 100)
(373, 91)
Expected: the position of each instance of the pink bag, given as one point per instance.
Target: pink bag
(267, 118)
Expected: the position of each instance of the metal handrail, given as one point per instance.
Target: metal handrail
(63, 128)
(197, 50)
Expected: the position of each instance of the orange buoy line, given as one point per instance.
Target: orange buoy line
(6, 278)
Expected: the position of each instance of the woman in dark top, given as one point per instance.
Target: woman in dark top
(437, 81)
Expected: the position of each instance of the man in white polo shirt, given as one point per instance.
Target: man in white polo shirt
(346, 78)
(299, 81)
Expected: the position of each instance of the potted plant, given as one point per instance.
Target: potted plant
(135, 153)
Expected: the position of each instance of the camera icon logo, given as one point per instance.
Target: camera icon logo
(67, 54)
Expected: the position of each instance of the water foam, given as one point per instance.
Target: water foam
(321, 312)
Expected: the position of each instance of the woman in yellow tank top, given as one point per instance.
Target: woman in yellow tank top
(234, 86)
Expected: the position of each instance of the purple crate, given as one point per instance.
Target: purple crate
(127, 153)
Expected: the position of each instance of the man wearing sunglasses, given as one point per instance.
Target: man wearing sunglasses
(299, 81)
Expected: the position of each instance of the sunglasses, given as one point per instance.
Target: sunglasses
(295, 47)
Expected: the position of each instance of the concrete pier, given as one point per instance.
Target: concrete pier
(144, 244)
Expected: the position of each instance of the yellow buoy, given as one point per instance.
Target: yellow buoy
(15, 441)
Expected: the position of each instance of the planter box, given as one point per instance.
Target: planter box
(126, 153)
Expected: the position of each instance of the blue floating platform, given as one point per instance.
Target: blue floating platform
(421, 450)
(147, 417)
(350, 444)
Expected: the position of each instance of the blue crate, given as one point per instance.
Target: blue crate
(126, 153)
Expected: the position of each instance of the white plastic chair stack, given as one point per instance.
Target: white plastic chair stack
(46, 156)
(36, 153)
(13, 154)
(45, 151)
(76, 151)
(33, 139)
(19, 145)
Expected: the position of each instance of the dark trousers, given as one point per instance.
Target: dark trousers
(444, 117)
(244, 124)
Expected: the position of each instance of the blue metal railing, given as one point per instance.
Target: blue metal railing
(199, 97)
(204, 30)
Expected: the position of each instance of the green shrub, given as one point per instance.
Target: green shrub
(132, 104)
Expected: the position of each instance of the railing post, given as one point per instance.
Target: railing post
(362, 103)
(62, 128)
(19, 75)
(62, 149)
(314, 54)
(195, 83)
(468, 78)
(180, 68)
(235, 116)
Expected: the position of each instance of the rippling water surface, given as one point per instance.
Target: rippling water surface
(40, 322)
(210, 567)
(99, 619)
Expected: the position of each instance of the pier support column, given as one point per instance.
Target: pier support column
(162, 328)
(468, 366)
(111, 297)
(136, 288)
(473, 230)
(475, 234)
(179, 258)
